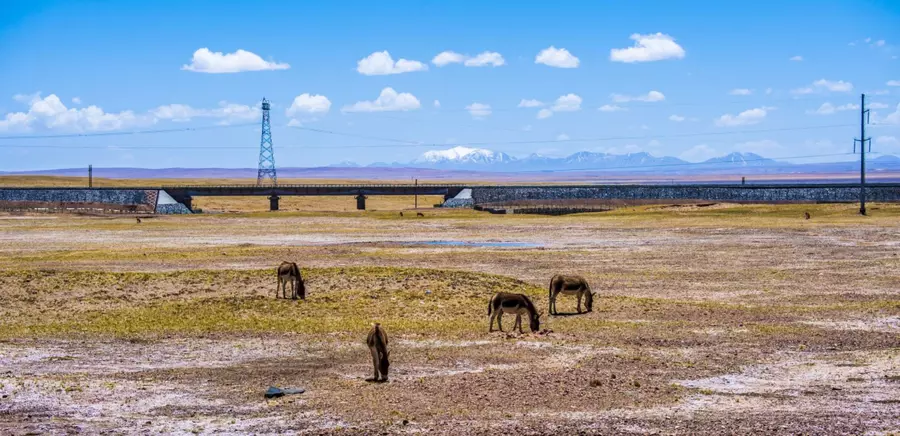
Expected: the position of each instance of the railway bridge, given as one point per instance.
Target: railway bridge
(185, 194)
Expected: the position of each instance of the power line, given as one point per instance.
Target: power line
(130, 132)
(423, 144)
(352, 135)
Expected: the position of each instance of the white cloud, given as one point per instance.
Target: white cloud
(544, 113)
(388, 100)
(448, 57)
(562, 137)
(484, 59)
(309, 104)
(226, 112)
(740, 91)
(530, 103)
(381, 63)
(875, 105)
(893, 83)
(652, 96)
(825, 85)
(51, 113)
(747, 117)
(437, 104)
(76, 100)
(611, 108)
(556, 57)
(488, 58)
(698, 153)
(676, 118)
(567, 103)
(648, 48)
(892, 118)
(880, 43)
(829, 109)
(206, 61)
(479, 110)
(797, 59)
(887, 140)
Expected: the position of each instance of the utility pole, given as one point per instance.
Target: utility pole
(863, 120)
(90, 176)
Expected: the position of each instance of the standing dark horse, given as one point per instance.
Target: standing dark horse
(570, 285)
(289, 272)
(519, 304)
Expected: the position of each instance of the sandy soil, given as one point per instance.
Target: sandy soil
(708, 321)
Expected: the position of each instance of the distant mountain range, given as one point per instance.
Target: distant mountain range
(484, 160)
(479, 163)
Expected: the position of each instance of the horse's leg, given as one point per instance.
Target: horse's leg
(374, 362)
(278, 287)
(500, 320)
(518, 322)
(552, 300)
(491, 319)
(294, 289)
(578, 296)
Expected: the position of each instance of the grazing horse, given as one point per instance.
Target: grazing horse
(420, 214)
(138, 220)
(377, 341)
(807, 215)
(570, 285)
(519, 304)
(401, 214)
(288, 271)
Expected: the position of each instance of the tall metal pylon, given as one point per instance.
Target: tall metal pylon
(863, 141)
(266, 173)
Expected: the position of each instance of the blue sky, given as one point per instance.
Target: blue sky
(692, 79)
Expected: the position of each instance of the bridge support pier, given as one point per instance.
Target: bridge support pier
(273, 202)
(187, 203)
(361, 202)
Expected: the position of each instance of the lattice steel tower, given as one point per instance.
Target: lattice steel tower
(266, 153)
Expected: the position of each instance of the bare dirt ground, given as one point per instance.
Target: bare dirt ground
(729, 319)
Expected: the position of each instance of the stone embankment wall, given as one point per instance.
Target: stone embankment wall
(740, 193)
(89, 200)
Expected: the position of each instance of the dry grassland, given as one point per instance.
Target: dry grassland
(709, 320)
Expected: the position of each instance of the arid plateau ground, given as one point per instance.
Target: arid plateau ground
(725, 319)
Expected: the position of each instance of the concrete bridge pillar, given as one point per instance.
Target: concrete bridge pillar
(361, 202)
(273, 202)
(187, 203)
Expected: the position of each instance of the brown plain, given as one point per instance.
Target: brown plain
(707, 320)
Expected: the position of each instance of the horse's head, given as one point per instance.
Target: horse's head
(589, 301)
(536, 322)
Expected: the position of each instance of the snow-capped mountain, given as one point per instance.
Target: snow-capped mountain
(463, 155)
(741, 159)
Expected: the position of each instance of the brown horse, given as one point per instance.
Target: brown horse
(518, 304)
(289, 272)
(377, 341)
(571, 285)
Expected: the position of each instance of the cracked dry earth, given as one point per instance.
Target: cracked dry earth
(705, 324)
